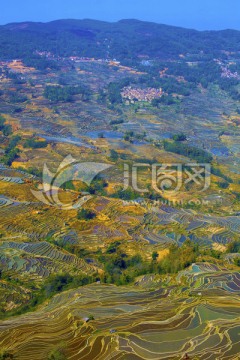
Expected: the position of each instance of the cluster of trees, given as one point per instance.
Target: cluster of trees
(98, 186)
(231, 87)
(118, 121)
(6, 355)
(68, 185)
(15, 97)
(56, 354)
(35, 144)
(85, 214)
(11, 151)
(5, 128)
(195, 70)
(200, 72)
(164, 100)
(217, 172)
(66, 93)
(179, 137)
(178, 258)
(191, 152)
(234, 247)
(205, 73)
(31, 170)
(113, 155)
(237, 261)
(61, 282)
(127, 38)
(114, 90)
(128, 194)
(169, 84)
(55, 284)
(120, 268)
(40, 63)
(17, 80)
(128, 136)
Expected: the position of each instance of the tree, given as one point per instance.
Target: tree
(34, 144)
(2, 122)
(234, 247)
(5, 355)
(237, 261)
(7, 130)
(114, 156)
(179, 137)
(179, 257)
(56, 355)
(155, 255)
(84, 214)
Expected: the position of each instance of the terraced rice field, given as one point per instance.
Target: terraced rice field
(39, 259)
(133, 323)
(155, 225)
(195, 312)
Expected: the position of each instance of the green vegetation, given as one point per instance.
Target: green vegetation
(191, 152)
(113, 155)
(84, 214)
(5, 128)
(112, 248)
(11, 151)
(121, 269)
(237, 261)
(128, 136)
(56, 355)
(40, 63)
(165, 100)
(62, 282)
(179, 137)
(125, 39)
(217, 172)
(234, 247)
(155, 255)
(116, 122)
(54, 284)
(68, 185)
(147, 263)
(5, 355)
(17, 98)
(66, 93)
(179, 258)
(35, 144)
(128, 194)
(98, 186)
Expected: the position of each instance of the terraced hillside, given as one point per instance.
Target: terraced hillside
(137, 271)
(198, 316)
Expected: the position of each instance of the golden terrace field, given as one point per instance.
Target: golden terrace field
(132, 275)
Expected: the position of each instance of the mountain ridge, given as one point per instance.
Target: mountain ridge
(125, 39)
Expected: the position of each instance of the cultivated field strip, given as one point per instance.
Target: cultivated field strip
(132, 323)
(40, 259)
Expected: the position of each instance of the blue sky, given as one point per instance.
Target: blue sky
(198, 14)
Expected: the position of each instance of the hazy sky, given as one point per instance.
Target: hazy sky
(199, 14)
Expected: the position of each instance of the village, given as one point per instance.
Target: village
(132, 95)
(226, 72)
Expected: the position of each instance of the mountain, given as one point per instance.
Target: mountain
(125, 39)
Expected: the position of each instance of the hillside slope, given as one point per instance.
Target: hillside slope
(123, 40)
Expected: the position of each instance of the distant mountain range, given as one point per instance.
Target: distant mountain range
(123, 40)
